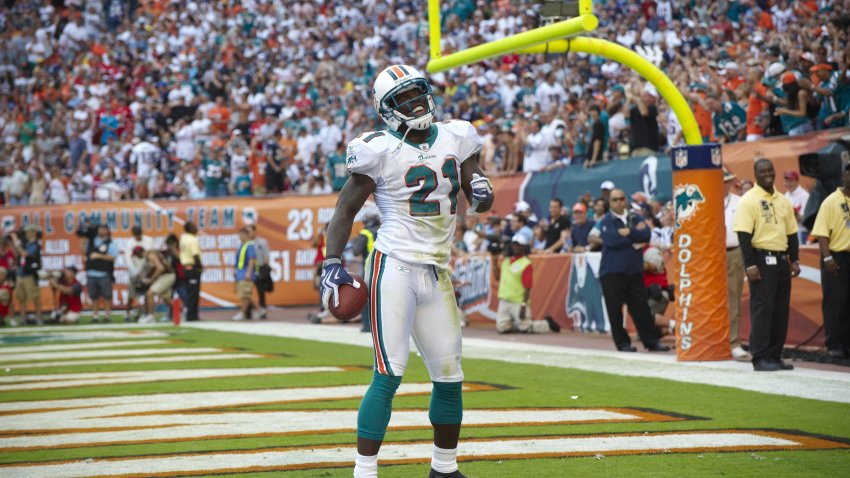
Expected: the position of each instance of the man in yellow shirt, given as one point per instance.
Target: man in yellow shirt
(190, 257)
(767, 232)
(832, 228)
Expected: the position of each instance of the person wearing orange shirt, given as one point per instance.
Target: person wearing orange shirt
(701, 113)
(220, 117)
(733, 76)
(756, 103)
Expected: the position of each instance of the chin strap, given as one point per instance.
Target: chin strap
(404, 136)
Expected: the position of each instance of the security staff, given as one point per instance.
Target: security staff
(190, 258)
(767, 231)
(621, 273)
(832, 228)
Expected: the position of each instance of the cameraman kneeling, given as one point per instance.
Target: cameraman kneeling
(514, 276)
(70, 292)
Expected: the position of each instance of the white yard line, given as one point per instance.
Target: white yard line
(79, 329)
(64, 380)
(802, 383)
(10, 359)
(92, 345)
(181, 358)
(417, 452)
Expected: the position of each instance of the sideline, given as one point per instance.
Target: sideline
(802, 383)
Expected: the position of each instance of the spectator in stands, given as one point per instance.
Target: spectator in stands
(519, 225)
(28, 251)
(514, 275)
(101, 252)
(70, 295)
(190, 259)
(643, 120)
(245, 270)
(580, 228)
(536, 141)
(596, 140)
(792, 106)
(159, 281)
(734, 267)
(263, 280)
(524, 209)
(799, 197)
(621, 274)
(557, 229)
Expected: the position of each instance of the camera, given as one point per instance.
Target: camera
(44, 275)
(87, 229)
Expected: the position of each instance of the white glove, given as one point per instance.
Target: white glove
(482, 191)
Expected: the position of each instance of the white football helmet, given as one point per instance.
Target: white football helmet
(398, 79)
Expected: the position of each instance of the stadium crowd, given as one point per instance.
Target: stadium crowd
(114, 99)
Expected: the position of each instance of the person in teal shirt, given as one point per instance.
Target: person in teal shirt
(242, 184)
(215, 172)
(793, 114)
(730, 120)
(335, 166)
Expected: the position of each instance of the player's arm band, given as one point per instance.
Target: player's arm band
(827, 259)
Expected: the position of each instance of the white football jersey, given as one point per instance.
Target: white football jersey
(417, 188)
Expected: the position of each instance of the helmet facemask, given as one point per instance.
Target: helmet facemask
(396, 113)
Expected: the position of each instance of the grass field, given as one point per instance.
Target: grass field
(98, 419)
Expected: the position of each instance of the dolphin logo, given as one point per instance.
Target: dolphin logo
(687, 200)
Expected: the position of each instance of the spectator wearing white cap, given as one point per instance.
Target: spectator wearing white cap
(514, 275)
(523, 208)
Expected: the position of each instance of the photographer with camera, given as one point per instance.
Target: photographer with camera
(101, 252)
(70, 295)
(28, 249)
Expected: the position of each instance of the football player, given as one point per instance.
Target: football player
(415, 168)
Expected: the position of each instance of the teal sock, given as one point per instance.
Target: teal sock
(377, 406)
(446, 403)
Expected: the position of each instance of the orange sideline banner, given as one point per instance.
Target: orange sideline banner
(288, 223)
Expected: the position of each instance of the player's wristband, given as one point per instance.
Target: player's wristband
(827, 259)
(331, 260)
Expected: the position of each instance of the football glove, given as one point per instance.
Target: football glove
(482, 191)
(333, 276)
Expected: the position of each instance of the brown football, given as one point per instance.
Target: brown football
(351, 300)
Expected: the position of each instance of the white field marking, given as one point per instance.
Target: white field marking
(106, 353)
(64, 380)
(37, 414)
(181, 358)
(177, 427)
(802, 382)
(76, 335)
(321, 457)
(217, 301)
(52, 329)
(91, 345)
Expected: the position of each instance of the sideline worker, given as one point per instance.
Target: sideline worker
(832, 228)
(767, 230)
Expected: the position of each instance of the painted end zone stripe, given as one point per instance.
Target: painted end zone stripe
(324, 456)
(192, 426)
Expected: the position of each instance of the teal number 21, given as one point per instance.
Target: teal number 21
(420, 205)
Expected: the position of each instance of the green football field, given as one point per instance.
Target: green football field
(165, 401)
